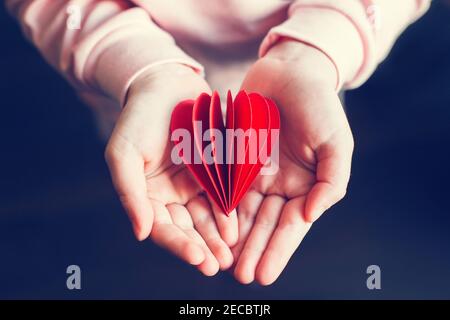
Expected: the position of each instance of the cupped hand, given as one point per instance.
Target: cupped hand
(315, 154)
(163, 200)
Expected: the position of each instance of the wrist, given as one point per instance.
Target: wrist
(166, 78)
(306, 59)
(169, 70)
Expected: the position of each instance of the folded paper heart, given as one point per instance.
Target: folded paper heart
(225, 157)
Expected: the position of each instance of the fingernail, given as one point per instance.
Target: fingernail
(137, 232)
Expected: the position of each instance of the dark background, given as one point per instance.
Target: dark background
(57, 205)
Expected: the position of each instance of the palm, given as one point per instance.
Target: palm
(270, 214)
(183, 221)
(293, 179)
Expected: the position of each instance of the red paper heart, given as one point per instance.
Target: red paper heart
(225, 159)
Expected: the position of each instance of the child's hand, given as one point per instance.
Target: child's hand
(153, 191)
(316, 148)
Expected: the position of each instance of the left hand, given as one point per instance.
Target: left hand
(316, 148)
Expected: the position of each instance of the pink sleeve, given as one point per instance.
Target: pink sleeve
(113, 43)
(355, 34)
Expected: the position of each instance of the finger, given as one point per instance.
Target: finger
(333, 173)
(205, 224)
(265, 223)
(171, 237)
(227, 225)
(286, 238)
(210, 266)
(181, 217)
(247, 210)
(127, 171)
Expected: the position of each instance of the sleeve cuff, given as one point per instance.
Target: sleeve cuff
(331, 27)
(126, 51)
(342, 30)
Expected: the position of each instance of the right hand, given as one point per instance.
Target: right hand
(163, 200)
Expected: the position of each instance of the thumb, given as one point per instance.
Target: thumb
(127, 172)
(332, 176)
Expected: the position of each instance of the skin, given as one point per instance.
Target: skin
(167, 205)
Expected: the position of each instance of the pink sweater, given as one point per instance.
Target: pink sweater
(100, 46)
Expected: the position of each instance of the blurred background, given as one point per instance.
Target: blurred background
(58, 207)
